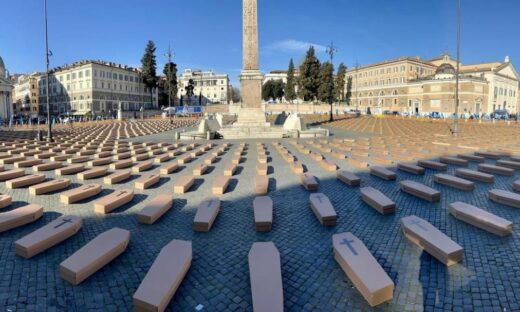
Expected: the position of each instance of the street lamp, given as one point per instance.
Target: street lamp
(47, 54)
(169, 73)
(357, 95)
(331, 51)
(456, 121)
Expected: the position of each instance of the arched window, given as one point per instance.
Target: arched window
(395, 92)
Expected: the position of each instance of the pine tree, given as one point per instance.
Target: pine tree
(148, 68)
(290, 93)
(348, 96)
(340, 82)
(278, 90)
(308, 81)
(170, 71)
(267, 91)
(326, 88)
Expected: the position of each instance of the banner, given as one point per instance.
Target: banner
(188, 109)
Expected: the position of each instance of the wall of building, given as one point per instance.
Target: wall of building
(26, 87)
(97, 87)
(410, 85)
(213, 87)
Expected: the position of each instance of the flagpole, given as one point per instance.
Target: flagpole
(49, 127)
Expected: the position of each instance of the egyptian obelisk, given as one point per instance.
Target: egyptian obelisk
(251, 113)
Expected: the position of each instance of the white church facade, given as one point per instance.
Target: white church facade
(5, 93)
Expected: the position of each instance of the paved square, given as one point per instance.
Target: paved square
(218, 280)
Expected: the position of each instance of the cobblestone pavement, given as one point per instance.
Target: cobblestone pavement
(487, 279)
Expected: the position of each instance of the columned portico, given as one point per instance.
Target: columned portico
(5, 93)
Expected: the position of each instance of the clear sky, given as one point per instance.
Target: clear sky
(206, 34)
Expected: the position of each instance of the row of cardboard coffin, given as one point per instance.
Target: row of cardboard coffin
(358, 263)
(171, 265)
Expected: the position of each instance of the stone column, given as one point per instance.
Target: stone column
(250, 77)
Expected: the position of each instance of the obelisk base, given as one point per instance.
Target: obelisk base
(251, 117)
(251, 113)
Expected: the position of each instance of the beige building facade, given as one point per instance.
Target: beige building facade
(95, 87)
(25, 95)
(414, 86)
(212, 87)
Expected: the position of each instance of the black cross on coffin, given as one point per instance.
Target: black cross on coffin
(348, 243)
(63, 222)
(419, 225)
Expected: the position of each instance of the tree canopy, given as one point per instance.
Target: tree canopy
(326, 87)
(290, 93)
(273, 89)
(340, 82)
(149, 67)
(170, 71)
(308, 80)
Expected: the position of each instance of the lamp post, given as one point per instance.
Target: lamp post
(331, 51)
(357, 95)
(47, 54)
(456, 121)
(169, 73)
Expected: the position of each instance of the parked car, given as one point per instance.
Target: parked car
(500, 114)
(387, 112)
(354, 112)
(436, 115)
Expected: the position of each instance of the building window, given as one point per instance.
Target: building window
(87, 73)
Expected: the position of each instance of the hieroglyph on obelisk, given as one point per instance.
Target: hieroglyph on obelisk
(250, 77)
(250, 35)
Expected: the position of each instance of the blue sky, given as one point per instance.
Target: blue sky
(206, 34)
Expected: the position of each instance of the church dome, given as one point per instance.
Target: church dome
(445, 69)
